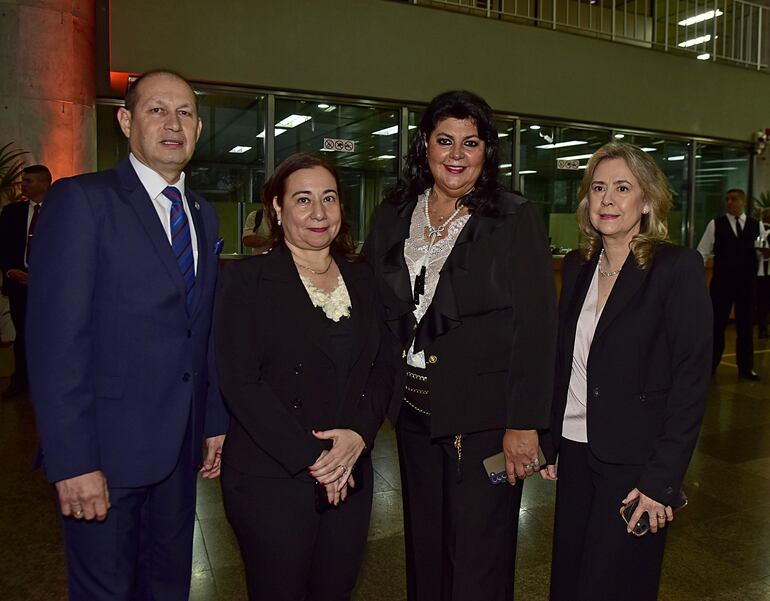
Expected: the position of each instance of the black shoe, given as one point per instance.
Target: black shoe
(14, 390)
(749, 375)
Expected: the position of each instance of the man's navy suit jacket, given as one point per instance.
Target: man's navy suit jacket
(119, 367)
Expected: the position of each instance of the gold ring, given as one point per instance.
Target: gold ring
(79, 513)
(344, 468)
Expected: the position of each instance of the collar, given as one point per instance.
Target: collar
(741, 217)
(152, 181)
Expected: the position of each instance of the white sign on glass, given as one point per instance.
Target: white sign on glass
(335, 145)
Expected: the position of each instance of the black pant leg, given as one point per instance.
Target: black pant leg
(763, 302)
(744, 322)
(722, 302)
(422, 468)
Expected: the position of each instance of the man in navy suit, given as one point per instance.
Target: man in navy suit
(18, 221)
(121, 289)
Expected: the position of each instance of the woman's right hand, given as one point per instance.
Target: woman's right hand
(548, 472)
(334, 496)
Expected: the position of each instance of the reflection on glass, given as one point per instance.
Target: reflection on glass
(717, 169)
(361, 141)
(552, 162)
(505, 142)
(672, 158)
(228, 167)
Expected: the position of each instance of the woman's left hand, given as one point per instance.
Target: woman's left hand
(658, 513)
(337, 464)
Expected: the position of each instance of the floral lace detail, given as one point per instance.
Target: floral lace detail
(335, 304)
(415, 248)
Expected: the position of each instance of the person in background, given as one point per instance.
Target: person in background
(256, 232)
(763, 275)
(121, 290)
(632, 374)
(731, 239)
(306, 401)
(18, 222)
(465, 275)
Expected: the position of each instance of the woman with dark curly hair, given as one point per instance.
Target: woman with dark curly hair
(633, 367)
(465, 275)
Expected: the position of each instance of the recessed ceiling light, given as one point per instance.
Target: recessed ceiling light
(576, 157)
(620, 136)
(293, 121)
(701, 17)
(679, 157)
(278, 131)
(695, 41)
(563, 144)
(506, 165)
(527, 172)
(384, 157)
(649, 149)
(323, 105)
(703, 57)
(239, 149)
(502, 135)
(534, 127)
(389, 131)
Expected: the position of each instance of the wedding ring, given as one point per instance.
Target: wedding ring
(344, 468)
(662, 517)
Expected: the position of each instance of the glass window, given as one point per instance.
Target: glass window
(717, 169)
(111, 144)
(365, 152)
(672, 156)
(228, 167)
(505, 151)
(552, 162)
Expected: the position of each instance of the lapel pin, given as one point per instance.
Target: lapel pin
(197, 206)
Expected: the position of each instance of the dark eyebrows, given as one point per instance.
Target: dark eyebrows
(308, 192)
(446, 135)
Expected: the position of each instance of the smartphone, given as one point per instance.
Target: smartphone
(643, 525)
(494, 466)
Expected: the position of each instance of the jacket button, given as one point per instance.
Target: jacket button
(186, 377)
(296, 403)
(433, 359)
(414, 326)
(596, 391)
(403, 354)
(298, 368)
(669, 490)
(372, 365)
(189, 333)
(642, 398)
(363, 394)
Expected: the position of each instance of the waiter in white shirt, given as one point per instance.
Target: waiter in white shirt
(731, 239)
(763, 275)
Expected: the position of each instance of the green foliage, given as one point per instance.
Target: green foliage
(11, 166)
(761, 203)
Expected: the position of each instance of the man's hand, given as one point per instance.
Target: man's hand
(212, 462)
(18, 275)
(520, 448)
(84, 497)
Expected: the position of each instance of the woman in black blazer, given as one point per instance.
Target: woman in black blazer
(465, 275)
(297, 340)
(632, 373)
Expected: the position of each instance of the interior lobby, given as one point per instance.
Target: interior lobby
(275, 77)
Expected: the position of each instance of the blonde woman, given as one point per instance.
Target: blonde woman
(632, 372)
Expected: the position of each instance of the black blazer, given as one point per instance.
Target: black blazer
(274, 371)
(13, 243)
(489, 334)
(648, 369)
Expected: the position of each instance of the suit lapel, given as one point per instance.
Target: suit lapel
(362, 305)
(203, 249)
(135, 195)
(630, 279)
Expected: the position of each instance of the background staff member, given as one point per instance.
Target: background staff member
(466, 280)
(632, 373)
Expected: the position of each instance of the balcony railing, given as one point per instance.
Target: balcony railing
(732, 31)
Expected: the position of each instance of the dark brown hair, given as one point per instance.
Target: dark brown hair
(39, 170)
(132, 93)
(275, 187)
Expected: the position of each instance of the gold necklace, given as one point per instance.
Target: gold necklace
(315, 271)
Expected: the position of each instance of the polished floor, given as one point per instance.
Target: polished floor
(718, 550)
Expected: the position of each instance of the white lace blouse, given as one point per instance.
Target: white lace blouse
(415, 248)
(335, 304)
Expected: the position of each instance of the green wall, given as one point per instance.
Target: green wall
(389, 50)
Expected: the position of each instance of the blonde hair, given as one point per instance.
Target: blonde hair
(653, 228)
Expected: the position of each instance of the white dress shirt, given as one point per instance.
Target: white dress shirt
(706, 244)
(30, 214)
(154, 183)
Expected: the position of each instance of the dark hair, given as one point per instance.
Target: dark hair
(38, 170)
(738, 191)
(417, 177)
(132, 93)
(275, 187)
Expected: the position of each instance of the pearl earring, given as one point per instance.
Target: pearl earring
(279, 223)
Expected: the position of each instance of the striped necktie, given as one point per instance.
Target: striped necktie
(181, 241)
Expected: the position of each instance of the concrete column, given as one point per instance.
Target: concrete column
(47, 89)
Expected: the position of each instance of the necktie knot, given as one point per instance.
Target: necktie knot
(173, 194)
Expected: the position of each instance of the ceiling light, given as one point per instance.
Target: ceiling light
(649, 149)
(563, 144)
(326, 149)
(726, 161)
(527, 172)
(718, 169)
(701, 17)
(277, 132)
(323, 105)
(384, 157)
(703, 57)
(502, 135)
(239, 149)
(582, 166)
(620, 136)
(292, 121)
(506, 166)
(576, 157)
(534, 127)
(695, 41)
(679, 157)
(389, 131)
(507, 174)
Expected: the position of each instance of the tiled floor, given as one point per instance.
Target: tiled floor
(719, 548)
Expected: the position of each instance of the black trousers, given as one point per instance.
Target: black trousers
(291, 551)
(594, 558)
(18, 306)
(726, 292)
(763, 302)
(459, 529)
